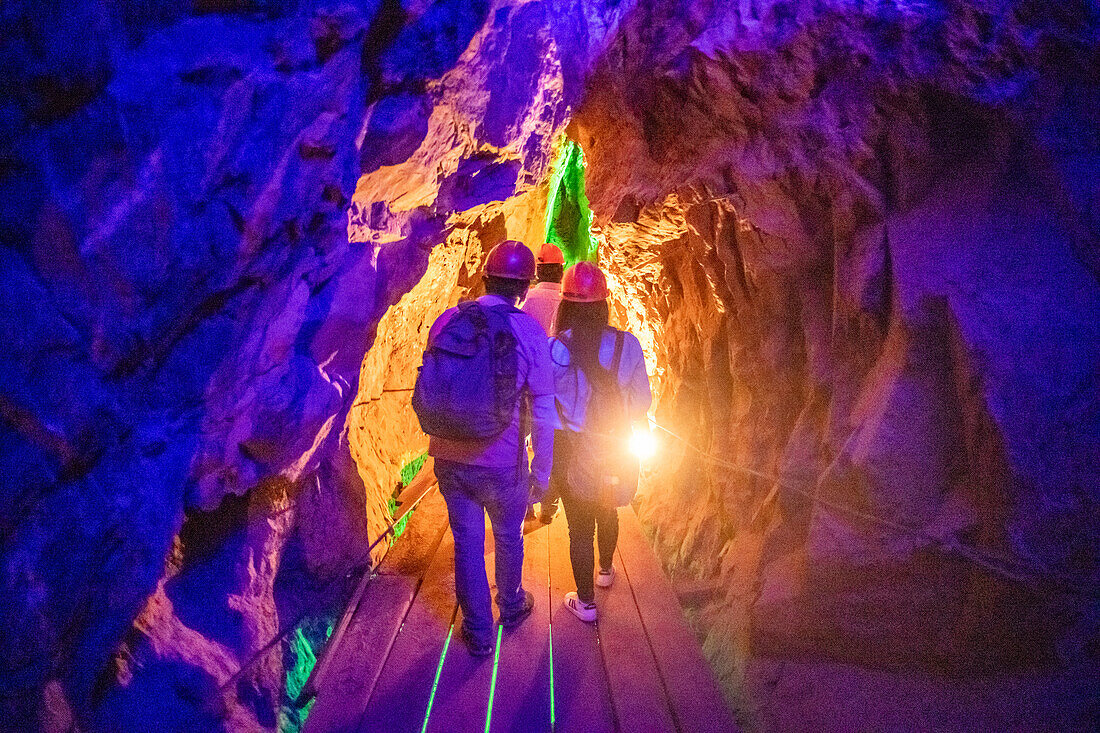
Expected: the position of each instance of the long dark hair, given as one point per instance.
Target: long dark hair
(586, 323)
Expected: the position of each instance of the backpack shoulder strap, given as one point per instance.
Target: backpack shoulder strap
(505, 311)
(475, 311)
(568, 362)
(616, 360)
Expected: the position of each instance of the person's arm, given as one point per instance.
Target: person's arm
(540, 382)
(559, 367)
(638, 389)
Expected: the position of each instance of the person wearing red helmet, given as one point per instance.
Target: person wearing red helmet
(481, 470)
(543, 299)
(541, 304)
(602, 389)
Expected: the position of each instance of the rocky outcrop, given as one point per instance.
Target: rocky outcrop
(174, 246)
(861, 243)
(194, 270)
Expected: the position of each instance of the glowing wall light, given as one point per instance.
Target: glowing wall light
(643, 443)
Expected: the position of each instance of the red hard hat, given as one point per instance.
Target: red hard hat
(549, 254)
(511, 259)
(584, 283)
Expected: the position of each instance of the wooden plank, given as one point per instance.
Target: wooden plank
(360, 658)
(697, 702)
(358, 661)
(522, 698)
(637, 692)
(401, 695)
(462, 698)
(582, 699)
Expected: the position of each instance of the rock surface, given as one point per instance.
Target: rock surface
(860, 243)
(193, 273)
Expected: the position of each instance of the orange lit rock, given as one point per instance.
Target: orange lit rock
(831, 252)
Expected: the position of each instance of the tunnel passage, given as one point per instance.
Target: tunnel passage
(845, 478)
(832, 485)
(858, 242)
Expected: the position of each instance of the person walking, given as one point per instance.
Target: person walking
(543, 299)
(486, 372)
(602, 390)
(542, 303)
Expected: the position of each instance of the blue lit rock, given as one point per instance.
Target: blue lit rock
(186, 317)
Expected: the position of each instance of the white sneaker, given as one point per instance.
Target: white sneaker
(605, 578)
(584, 611)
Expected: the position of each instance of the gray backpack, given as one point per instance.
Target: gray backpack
(466, 388)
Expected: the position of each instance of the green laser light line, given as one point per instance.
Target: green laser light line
(435, 682)
(493, 682)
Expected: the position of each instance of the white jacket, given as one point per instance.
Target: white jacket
(572, 387)
(542, 305)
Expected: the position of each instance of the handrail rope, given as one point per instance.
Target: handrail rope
(309, 689)
(363, 561)
(1010, 569)
(390, 390)
(967, 552)
(1004, 567)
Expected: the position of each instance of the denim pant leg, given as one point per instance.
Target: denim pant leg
(467, 518)
(507, 506)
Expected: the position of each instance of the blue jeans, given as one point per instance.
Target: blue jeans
(470, 492)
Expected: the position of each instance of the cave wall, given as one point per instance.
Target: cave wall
(860, 241)
(173, 223)
(839, 229)
(208, 210)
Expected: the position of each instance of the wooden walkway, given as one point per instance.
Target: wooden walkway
(402, 667)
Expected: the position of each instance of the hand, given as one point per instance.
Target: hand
(536, 490)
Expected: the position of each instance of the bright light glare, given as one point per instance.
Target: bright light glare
(643, 443)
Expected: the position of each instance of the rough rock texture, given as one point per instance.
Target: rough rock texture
(859, 241)
(862, 242)
(186, 317)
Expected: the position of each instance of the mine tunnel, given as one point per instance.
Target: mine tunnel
(859, 244)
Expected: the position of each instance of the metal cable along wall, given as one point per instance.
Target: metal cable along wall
(309, 689)
(1008, 569)
(1016, 572)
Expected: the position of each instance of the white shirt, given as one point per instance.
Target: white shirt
(542, 305)
(573, 391)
